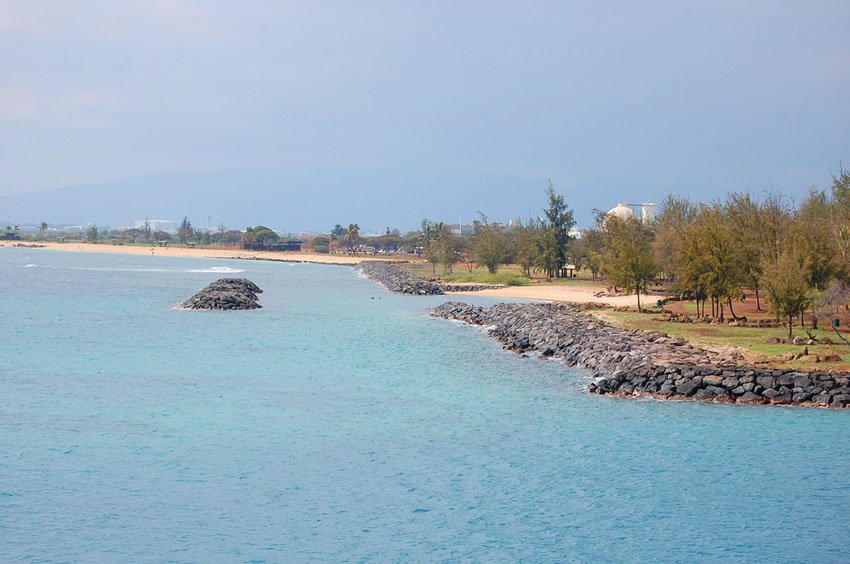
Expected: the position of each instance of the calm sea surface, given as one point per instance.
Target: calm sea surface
(332, 426)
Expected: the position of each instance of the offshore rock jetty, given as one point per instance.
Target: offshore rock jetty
(398, 281)
(226, 294)
(640, 363)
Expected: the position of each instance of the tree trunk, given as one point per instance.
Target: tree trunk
(790, 326)
(638, 298)
(758, 303)
(732, 311)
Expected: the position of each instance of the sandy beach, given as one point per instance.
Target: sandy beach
(572, 294)
(197, 253)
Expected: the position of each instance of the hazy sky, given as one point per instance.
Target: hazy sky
(700, 97)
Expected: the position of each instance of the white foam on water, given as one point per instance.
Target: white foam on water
(218, 270)
(122, 269)
(30, 266)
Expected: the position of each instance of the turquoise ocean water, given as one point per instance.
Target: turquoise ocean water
(332, 426)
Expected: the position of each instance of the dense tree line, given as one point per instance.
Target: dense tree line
(798, 257)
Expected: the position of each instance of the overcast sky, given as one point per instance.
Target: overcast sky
(701, 97)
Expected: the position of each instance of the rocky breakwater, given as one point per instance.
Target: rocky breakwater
(397, 280)
(401, 282)
(226, 294)
(640, 363)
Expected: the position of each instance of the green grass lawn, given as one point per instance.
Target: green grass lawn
(751, 341)
(508, 274)
(504, 278)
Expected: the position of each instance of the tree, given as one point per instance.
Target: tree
(146, 230)
(773, 225)
(560, 219)
(43, 229)
(338, 232)
(547, 257)
(491, 247)
(629, 260)
(675, 214)
(745, 220)
(444, 248)
(248, 238)
(92, 233)
(786, 286)
(591, 249)
(185, 231)
(841, 190)
(352, 236)
(708, 262)
(524, 247)
(321, 243)
(231, 237)
(429, 233)
(816, 230)
(264, 235)
(133, 234)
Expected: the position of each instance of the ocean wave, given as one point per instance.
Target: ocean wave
(30, 266)
(120, 269)
(218, 270)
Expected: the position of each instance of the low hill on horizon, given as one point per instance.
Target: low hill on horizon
(308, 200)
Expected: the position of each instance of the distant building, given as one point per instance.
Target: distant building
(621, 211)
(157, 225)
(645, 211)
(462, 229)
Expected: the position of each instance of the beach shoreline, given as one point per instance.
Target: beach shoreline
(212, 253)
(561, 293)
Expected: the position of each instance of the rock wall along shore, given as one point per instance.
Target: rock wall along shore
(639, 363)
(399, 281)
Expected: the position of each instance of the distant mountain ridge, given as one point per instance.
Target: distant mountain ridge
(307, 200)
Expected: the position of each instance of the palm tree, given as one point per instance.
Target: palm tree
(43, 229)
(352, 235)
(248, 238)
